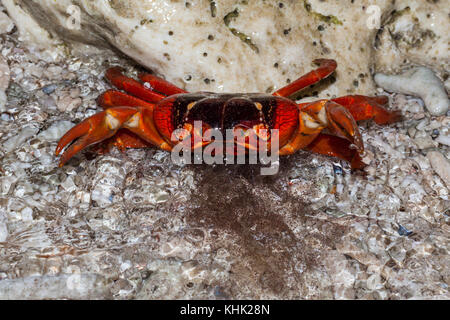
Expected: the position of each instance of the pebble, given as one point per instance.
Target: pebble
(53, 72)
(49, 89)
(16, 140)
(419, 81)
(4, 74)
(373, 282)
(4, 81)
(27, 214)
(412, 131)
(55, 131)
(3, 100)
(75, 93)
(403, 231)
(123, 199)
(67, 103)
(3, 227)
(440, 165)
(422, 124)
(443, 139)
(69, 185)
(424, 142)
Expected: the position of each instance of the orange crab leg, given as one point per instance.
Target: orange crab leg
(160, 84)
(123, 138)
(105, 124)
(92, 130)
(336, 147)
(115, 76)
(326, 67)
(342, 124)
(114, 98)
(365, 108)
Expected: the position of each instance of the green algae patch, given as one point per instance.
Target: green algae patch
(241, 35)
(330, 19)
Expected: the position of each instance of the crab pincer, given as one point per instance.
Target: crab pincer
(94, 129)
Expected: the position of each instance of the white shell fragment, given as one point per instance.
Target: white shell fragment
(442, 139)
(4, 74)
(16, 140)
(55, 131)
(421, 82)
(3, 100)
(4, 81)
(440, 165)
(3, 226)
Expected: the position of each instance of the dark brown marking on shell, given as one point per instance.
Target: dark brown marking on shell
(224, 111)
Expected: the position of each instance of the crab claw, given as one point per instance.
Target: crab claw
(342, 124)
(94, 129)
(335, 118)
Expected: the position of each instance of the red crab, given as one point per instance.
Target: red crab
(147, 115)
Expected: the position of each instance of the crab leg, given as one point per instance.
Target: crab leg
(160, 85)
(105, 124)
(326, 67)
(315, 117)
(123, 138)
(336, 147)
(115, 76)
(114, 98)
(365, 108)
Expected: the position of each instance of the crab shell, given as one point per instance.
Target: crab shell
(257, 117)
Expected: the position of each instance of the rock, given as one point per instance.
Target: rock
(226, 47)
(440, 165)
(6, 24)
(420, 82)
(69, 185)
(198, 46)
(416, 33)
(29, 29)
